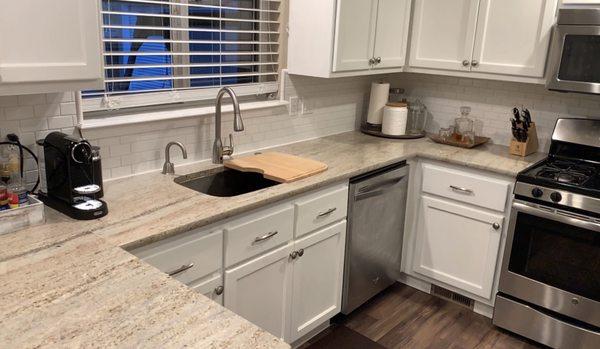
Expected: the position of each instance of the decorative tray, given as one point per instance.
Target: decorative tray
(377, 133)
(478, 141)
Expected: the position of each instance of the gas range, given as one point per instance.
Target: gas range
(570, 175)
(549, 288)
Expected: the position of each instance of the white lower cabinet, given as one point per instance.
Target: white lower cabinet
(294, 289)
(317, 281)
(212, 287)
(260, 290)
(283, 263)
(458, 245)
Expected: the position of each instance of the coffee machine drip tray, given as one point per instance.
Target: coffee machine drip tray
(84, 208)
(87, 204)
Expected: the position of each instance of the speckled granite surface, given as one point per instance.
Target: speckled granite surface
(67, 283)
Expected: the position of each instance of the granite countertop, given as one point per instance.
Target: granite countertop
(69, 283)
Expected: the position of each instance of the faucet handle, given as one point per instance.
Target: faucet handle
(228, 149)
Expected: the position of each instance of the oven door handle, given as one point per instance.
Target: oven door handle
(556, 215)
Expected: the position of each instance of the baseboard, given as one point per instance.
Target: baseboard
(415, 283)
(483, 309)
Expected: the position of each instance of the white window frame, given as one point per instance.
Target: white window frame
(182, 94)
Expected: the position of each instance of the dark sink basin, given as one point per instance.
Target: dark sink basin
(223, 182)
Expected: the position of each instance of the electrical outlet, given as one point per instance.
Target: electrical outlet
(294, 106)
(306, 106)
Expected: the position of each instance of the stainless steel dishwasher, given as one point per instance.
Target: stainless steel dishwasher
(376, 211)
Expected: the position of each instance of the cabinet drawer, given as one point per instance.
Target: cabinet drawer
(466, 187)
(258, 232)
(188, 257)
(320, 209)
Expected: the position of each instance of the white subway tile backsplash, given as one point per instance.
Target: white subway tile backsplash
(31, 99)
(492, 103)
(58, 122)
(31, 125)
(67, 108)
(119, 149)
(18, 113)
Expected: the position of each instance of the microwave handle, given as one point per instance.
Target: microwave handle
(556, 215)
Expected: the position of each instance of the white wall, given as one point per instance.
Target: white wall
(133, 149)
(492, 103)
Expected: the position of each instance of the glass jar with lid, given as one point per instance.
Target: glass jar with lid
(417, 117)
(463, 129)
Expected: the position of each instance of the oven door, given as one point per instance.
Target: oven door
(574, 64)
(552, 259)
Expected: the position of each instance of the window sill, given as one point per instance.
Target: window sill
(173, 114)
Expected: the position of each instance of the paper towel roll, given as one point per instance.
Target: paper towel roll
(395, 118)
(380, 93)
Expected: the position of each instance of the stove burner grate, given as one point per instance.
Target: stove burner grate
(566, 172)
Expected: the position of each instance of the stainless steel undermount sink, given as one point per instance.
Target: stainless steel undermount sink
(223, 182)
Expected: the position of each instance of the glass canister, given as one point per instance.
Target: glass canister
(417, 117)
(464, 125)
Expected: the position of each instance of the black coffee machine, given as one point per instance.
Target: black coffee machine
(73, 177)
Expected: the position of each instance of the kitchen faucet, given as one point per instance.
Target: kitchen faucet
(168, 167)
(219, 150)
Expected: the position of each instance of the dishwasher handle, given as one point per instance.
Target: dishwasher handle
(377, 188)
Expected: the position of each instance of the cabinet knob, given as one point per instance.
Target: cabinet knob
(294, 254)
(378, 60)
(496, 226)
(466, 63)
(219, 290)
(372, 61)
(301, 252)
(475, 63)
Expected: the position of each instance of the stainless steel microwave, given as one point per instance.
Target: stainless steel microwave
(574, 61)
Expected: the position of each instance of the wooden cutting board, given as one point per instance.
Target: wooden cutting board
(280, 167)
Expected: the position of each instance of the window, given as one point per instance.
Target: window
(170, 51)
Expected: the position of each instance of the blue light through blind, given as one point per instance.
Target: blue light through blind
(161, 45)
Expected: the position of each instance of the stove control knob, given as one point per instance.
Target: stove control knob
(556, 197)
(537, 192)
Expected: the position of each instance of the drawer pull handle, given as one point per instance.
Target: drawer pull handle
(462, 190)
(265, 237)
(181, 269)
(326, 213)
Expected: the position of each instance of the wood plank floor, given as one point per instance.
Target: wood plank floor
(403, 317)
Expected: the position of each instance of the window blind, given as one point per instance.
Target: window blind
(169, 51)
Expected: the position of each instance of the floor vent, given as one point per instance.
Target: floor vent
(452, 296)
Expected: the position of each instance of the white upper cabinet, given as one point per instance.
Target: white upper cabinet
(513, 36)
(49, 46)
(355, 34)
(443, 34)
(393, 18)
(504, 39)
(329, 38)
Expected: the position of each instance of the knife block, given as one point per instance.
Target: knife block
(528, 147)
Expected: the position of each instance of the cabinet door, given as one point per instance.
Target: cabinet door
(211, 288)
(354, 34)
(49, 41)
(318, 275)
(458, 245)
(393, 17)
(260, 290)
(513, 36)
(443, 33)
